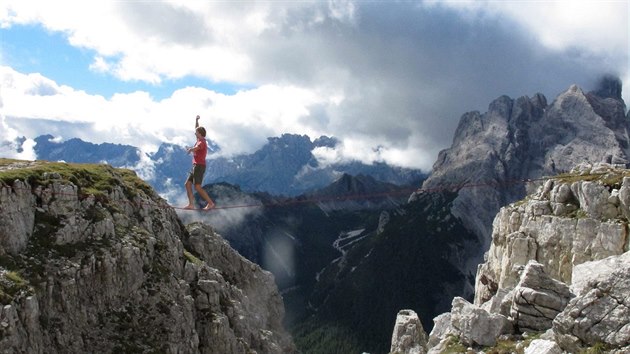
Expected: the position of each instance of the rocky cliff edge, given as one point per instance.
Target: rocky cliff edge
(556, 278)
(92, 260)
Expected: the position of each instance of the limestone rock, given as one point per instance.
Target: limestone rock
(537, 299)
(240, 289)
(586, 222)
(442, 328)
(476, 326)
(409, 337)
(541, 346)
(119, 272)
(592, 272)
(528, 138)
(16, 206)
(601, 314)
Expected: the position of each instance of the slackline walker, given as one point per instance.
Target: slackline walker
(195, 176)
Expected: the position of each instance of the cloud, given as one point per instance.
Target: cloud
(12, 145)
(390, 79)
(238, 123)
(558, 24)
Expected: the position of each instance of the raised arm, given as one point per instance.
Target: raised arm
(197, 122)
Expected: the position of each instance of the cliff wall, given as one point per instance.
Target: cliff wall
(92, 260)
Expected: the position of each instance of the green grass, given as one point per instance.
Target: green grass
(614, 178)
(192, 259)
(598, 348)
(502, 346)
(91, 179)
(453, 345)
(12, 285)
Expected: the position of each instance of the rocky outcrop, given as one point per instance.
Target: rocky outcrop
(600, 314)
(473, 325)
(92, 260)
(558, 265)
(570, 220)
(409, 337)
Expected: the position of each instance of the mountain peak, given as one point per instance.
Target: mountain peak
(608, 87)
(525, 138)
(350, 184)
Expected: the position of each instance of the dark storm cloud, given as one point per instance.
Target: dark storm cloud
(409, 73)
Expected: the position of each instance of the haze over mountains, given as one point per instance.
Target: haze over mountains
(286, 165)
(346, 268)
(421, 254)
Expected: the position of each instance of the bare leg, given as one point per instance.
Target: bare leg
(205, 197)
(189, 192)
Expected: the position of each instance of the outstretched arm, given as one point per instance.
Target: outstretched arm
(194, 148)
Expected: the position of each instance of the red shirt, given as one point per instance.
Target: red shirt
(199, 155)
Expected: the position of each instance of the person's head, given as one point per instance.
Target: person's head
(201, 131)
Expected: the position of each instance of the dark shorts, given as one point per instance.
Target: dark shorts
(196, 174)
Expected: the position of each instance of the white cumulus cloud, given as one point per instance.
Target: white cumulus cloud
(389, 79)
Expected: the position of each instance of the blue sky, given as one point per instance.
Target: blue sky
(388, 79)
(33, 49)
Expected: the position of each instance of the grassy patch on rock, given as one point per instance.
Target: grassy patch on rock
(12, 285)
(91, 179)
(612, 177)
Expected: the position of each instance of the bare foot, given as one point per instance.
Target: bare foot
(209, 206)
(189, 207)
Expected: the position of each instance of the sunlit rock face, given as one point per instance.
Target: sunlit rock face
(527, 138)
(567, 222)
(92, 260)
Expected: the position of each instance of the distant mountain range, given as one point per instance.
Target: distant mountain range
(353, 269)
(284, 166)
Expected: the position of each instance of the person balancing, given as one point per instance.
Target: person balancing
(198, 169)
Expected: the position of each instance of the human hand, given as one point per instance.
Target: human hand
(197, 118)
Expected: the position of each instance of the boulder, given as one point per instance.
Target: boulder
(589, 272)
(409, 337)
(601, 313)
(476, 326)
(542, 346)
(537, 299)
(442, 328)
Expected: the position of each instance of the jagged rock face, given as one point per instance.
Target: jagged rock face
(527, 138)
(559, 261)
(244, 305)
(601, 314)
(116, 272)
(409, 337)
(566, 223)
(537, 299)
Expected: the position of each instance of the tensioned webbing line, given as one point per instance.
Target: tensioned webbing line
(293, 201)
(365, 196)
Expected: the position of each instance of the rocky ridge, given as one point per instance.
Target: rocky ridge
(92, 260)
(556, 278)
(526, 138)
